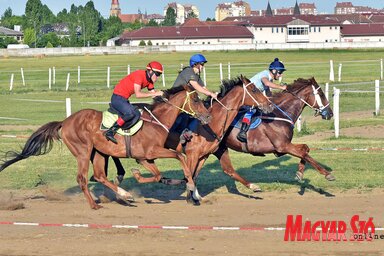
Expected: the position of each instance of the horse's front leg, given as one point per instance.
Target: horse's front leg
(226, 165)
(99, 174)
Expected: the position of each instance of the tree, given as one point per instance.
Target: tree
(170, 17)
(152, 23)
(29, 37)
(142, 43)
(149, 43)
(7, 13)
(191, 15)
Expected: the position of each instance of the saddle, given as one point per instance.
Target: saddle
(111, 115)
(255, 120)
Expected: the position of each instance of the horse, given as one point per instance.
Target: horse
(81, 133)
(274, 135)
(234, 93)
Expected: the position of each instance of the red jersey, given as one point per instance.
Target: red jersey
(125, 87)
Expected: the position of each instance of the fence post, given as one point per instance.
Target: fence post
(298, 123)
(22, 75)
(377, 97)
(327, 91)
(129, 69)
(11, 82)
(163, 77)
(78, 74)
(68, 106)
(336, 110)
(54, 75)
(221, 72)
(67, 86)
(108, 76)
(340, 66)
(204, 76)
(181, 66)
(331, 73)
(381, 70)
(229, 70)
(49, 78)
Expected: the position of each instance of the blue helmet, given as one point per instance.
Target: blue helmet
(196, 59)
(277, 65)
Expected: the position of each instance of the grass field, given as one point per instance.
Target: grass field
(35, 105)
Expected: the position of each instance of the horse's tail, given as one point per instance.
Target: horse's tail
(40, 143)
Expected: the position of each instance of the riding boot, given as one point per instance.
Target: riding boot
(185, 136)
(110, 134)
(242, 136)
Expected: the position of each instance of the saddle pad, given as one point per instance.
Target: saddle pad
(255, 121)
(109, 119)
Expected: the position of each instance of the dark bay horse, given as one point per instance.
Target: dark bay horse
(275, 136)
(81, 133)
(234, 94)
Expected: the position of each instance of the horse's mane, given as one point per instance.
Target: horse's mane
(296, 86)
(226, 86)
(160, 99)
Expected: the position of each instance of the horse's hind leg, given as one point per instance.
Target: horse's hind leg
(302, 151)
(150, 166)
(99, 174)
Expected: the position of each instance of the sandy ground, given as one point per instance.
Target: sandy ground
(269, 209)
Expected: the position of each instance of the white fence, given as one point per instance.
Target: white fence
(183, 48)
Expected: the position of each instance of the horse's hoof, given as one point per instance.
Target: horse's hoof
(330, 177)
(299, 177)
(96, 207)
(255, 188)
(191, 200)
(118, 180)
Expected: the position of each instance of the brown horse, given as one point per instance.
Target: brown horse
(234, 94)
(81, 133)
(274, 135)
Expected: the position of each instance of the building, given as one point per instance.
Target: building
(349, 8)
(291, 28)
(303, 8)
(192, 32)
(183, 12)
(6, 32)
(239, 8)
(362, 32)
(130, 18)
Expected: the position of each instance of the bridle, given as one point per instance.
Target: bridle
(187, 101)
(317, 100)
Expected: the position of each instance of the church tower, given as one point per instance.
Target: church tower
(115, 8)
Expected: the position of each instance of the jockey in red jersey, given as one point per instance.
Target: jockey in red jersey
(129, 85)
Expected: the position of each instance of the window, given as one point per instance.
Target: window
(261, 29)
(310, 30)
(272, 30)
(319, 29)
(282, 30)
(298, 31)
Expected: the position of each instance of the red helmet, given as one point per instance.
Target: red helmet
(155, 66)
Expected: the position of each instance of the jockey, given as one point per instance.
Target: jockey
(191, 76)
(129, 85)
(263, 81)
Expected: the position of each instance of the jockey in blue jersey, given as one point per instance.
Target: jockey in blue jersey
(263, 81)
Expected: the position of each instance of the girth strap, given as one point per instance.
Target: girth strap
(128, 146)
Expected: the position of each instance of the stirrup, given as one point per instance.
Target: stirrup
(242, 137)
(110, 137)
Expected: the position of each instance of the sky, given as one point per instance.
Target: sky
(206, 7)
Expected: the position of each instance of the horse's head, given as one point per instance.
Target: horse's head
(316, 95)
(254, 97)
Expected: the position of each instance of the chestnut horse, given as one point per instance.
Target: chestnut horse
(81, 133)
(274, 135)
(234, 94)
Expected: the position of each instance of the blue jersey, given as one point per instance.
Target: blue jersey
(257, 80)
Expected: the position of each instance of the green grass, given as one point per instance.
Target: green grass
(361, 170)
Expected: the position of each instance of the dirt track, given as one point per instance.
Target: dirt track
(265, 210)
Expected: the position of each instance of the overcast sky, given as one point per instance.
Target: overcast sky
(206, 7)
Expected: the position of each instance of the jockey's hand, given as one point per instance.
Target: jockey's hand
(159, 93)
(284, 86)
(213, 95)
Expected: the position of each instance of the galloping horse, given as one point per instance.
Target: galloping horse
(274, 135)
(234, 94)
(81, 133)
